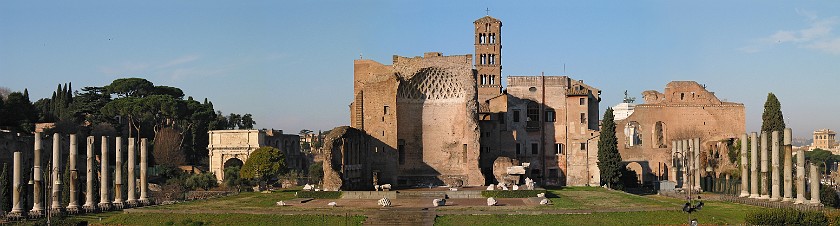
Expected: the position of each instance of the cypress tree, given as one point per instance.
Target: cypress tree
(772, 118)
(609, 160)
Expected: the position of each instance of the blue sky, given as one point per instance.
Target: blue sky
(291, 63)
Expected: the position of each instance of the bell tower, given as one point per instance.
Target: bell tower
(488, 57)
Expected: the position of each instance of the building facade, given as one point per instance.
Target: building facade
(824, 139)
(444, 120)
(685, 110)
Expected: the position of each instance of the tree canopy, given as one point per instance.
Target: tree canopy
(264, 164)
(772, 118)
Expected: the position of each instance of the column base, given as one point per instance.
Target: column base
(104, 206)
(775, 199)
(799, 201)
(754, 196)
(56, 211)
(786, 199)
(89, 209)
(36, 213)
(72, 209)
(816, 203)
(744, 194)
(117, 205)
(764, 197)
(15, 215)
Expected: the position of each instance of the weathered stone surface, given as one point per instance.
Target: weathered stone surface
(438, 202)
(491, 201)
(500, 169)
(345, 165)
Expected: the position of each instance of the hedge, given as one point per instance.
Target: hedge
(786, 217)
(514, 194)
(319, 194)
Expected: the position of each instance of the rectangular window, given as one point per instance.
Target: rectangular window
(549, 116)
(582, 101)
(515, 115)
(582, 146)
(518, 149)
(535, 148)
(401, 151)
(582, 117)
(558, 148)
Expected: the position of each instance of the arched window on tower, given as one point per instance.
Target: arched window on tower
(487, 27)
(492, 79)
(483, 79)
(492, 38)
(481, 38)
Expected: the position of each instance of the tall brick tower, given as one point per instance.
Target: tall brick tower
(488, 57)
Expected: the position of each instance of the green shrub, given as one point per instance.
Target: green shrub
(514, 194)
(786, 217)
(319, 194)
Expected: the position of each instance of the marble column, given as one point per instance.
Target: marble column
(131, 183)
(788, 170)
(89, 179)
(118, 199)
(144, 186)
(800, 177)
(683, 164)
(37, 204)
(672, 176)
(764, 168)
(104, 199)
(745, 174)
(56, 173)
(775, 194)
(17, 187)
(815, 185)
(698, 173)
(754, 165)
(74, 174)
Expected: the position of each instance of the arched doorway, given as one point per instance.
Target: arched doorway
(233, 165)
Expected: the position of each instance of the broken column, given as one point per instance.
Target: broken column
(754, 165)
(17, 187)
(104, 202)
(775, 194)
(744, 168)
(37, 204)
(56, 171)
(800, 177)
(144, 186)
(788, 170)
(815, 185)
(131, 200)
(764, 167)
(88, 206)
(74, 175)
(118, 200)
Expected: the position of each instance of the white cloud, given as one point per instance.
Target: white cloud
(179, 61)
(818, 35)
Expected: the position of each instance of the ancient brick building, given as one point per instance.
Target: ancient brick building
(684, 110)
(436, 120)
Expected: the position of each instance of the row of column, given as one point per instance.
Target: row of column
(105, 203)
(750, 184)
(686, 160)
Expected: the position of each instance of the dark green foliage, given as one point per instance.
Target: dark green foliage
(821, 158)
(828, 196)
(772, 118)
(232, 178)
(513, 194)
(320, 194)
(204, 181)
(18, 113)
(786, 217)
(130, 87)
(247, 122)
(264, 164)
(609, 160)
(5, 190)
(316, 173)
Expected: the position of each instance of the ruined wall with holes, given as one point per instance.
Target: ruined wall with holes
(421, 112)
(684, 110)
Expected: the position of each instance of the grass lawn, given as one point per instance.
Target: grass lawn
(716, 213)
(600, 198)
(241, 201)
(227, 219)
